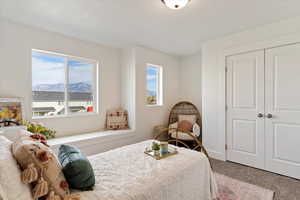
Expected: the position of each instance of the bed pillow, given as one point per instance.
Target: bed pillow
(190, 118)
(13, 133)
(11, 186)
(76, 168)
(40, 166)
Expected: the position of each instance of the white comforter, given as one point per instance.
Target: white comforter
(128, 174)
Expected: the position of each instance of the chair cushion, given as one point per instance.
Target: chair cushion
(11, 186)
(182, 136)
(190, 118)
(76, 167)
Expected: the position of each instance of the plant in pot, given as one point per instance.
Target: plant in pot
(156, 148)
(39, 128)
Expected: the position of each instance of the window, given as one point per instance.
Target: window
(63, 85)
(154, 85)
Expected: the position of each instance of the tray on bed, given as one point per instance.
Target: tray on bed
(171, 151)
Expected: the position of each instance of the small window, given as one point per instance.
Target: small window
(62, 85)
(154, 85)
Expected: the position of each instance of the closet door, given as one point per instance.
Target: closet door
(245, 108)
(283, 110)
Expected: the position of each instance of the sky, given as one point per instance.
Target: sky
(49, 69)
(152, 78)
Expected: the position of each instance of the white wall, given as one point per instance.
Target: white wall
(213, 74)
(190, 79)
(122, 82)
(16, 43)
(149, 116)
(128, 77)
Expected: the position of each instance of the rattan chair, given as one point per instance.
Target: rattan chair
(184, 108)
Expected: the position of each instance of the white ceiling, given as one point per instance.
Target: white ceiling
(148, 22)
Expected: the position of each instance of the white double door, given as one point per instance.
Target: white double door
(263, 109)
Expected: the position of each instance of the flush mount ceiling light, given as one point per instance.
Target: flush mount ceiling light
(175, 4)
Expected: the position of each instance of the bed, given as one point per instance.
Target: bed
(127, 173)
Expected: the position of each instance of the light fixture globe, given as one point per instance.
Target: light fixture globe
(175, 4)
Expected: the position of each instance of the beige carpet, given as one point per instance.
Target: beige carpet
(232, 189)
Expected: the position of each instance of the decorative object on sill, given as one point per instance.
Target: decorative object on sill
(39, 128)
(175, 4)
(117, 119)
(76, 167)
(32, 155)
(11, 112)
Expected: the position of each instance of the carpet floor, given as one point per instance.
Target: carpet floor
(285, 188)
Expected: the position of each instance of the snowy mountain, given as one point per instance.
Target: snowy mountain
(59, 87)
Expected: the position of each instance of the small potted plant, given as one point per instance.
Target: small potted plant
(39, 128)
(156, 148)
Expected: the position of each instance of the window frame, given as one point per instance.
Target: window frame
(95, 84)
(159, 84)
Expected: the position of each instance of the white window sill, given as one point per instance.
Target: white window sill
(67, 116)
(154, 105)
(92, 138)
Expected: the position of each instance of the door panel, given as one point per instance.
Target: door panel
(245, 99)
(244, 83)
(244, 136)
(283, 102)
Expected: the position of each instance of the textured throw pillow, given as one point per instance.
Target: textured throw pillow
(190, 118)
(40, 167)
(11, 186)
(116, 119)
(185, 125)
(76, 167)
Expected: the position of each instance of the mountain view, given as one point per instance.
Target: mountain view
(59, 87)
(151, 93)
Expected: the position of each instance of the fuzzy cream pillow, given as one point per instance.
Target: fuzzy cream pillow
(11, 186)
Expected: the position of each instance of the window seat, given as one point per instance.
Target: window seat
(89, 140)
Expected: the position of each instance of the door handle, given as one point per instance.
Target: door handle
(269, 116)
(260, 115)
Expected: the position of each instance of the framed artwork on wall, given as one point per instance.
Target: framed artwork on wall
(11, 112)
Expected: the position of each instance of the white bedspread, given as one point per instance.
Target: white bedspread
(128, 174)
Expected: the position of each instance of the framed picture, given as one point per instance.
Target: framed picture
(11, 112)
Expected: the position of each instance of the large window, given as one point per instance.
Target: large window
(154, 84)
(63, 85)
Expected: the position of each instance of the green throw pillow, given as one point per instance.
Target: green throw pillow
(76, 168)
